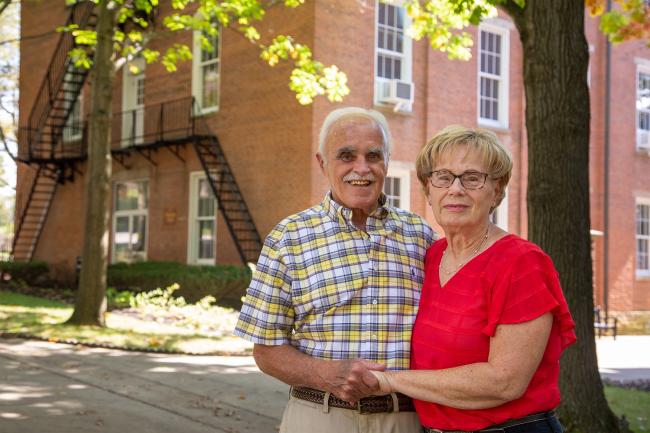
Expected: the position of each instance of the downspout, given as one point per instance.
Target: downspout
(608, 61)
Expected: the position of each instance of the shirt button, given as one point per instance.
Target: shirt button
(374, 302)
(374, 336)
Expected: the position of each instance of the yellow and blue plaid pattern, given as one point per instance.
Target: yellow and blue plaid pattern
(336, 292)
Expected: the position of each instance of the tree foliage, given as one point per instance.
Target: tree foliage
(137, 27)
(629, 20)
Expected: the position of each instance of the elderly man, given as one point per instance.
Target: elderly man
(336, 289)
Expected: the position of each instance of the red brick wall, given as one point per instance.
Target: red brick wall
(270, 140)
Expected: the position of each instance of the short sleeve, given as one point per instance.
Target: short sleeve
(529, 289)
(267, 314)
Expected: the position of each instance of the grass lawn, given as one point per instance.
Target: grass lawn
(44, 318)
(634, 404)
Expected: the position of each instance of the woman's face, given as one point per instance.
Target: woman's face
(457, 208)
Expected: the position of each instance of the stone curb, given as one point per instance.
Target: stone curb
(26, 336)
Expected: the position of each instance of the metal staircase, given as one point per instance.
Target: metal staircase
(168, 125)
(41, 142)
(229, 198)
(56, 98)
(33, 212)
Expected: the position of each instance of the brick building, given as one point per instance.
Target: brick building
(173, 133)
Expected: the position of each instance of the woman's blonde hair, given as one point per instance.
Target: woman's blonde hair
(496, 158)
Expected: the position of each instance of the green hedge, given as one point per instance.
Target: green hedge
(226, 283)
(30, 273)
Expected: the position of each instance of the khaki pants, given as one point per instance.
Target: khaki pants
(302, 416)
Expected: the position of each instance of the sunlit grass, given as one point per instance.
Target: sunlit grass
(634, 404)
(22, 314)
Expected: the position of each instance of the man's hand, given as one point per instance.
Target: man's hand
(351, 379)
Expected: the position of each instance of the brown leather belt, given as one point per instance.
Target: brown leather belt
(367, 405)
(503, 427)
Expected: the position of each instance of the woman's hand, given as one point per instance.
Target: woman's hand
(385, 386)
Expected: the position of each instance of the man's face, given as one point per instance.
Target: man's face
(354, 162)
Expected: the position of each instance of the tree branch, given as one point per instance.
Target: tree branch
(4, 4)
(513, 9)
(26, 38)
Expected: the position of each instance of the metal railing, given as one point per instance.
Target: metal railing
(53, 81)
(163, 123)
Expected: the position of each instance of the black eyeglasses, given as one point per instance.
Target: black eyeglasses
(468, 179)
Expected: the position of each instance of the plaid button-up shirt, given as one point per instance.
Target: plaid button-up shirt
(336, 292)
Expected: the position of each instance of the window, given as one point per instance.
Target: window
(202, 240)
(73, 129)
(643, 110)
(130, 222)
(643, 238)
(393, 51)
(397, 186)
(206, 72)
(493, 76)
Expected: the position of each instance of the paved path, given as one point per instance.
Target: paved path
(56, 388)
(626, 358)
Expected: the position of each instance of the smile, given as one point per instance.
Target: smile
(359, 182)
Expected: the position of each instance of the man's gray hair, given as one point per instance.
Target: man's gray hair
(349, 112)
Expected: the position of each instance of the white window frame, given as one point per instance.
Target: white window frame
(643, 67)
(502, 29)
(640, 273)
(404, 176)
(193, 226)
(500, 214)
(197, 77)
(406, 58)
(130, 214)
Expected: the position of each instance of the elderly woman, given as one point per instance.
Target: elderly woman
(493, 321)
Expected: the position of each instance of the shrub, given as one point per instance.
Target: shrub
(226, 283)
(25, 273)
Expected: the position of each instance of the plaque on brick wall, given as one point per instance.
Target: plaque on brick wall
(169, 216)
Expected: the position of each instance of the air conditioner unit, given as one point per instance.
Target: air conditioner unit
(397, 92)
(643, 140)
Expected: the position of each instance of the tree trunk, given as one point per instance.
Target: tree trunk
(557, 122)
(90, 304)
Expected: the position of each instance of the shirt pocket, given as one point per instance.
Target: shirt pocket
(323, 292)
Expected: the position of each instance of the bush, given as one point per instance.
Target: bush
(24, 273)
(226, 283)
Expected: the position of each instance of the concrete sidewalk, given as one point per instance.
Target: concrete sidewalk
(627, 358)
(57, 388)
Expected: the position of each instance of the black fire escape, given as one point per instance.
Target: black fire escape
(52, 158)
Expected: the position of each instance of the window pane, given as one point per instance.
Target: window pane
(390, 37)
(382, 13)
(391, 15)
(206, 200)
(213, 53)
(131, 196)
(399, 19)
(206, 239)
(210, 85)
(380, 66)
(138, 234)
(398, 69)
(139, 99)
(380, 38)
(121, 238)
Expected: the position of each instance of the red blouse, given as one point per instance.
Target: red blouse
(513, 281)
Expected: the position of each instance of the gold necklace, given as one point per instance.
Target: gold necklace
(464, 262)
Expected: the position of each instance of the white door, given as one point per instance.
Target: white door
(133, 105)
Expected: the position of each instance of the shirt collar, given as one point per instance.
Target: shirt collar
(340, 213)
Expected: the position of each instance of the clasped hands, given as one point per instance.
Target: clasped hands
(353, 379)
